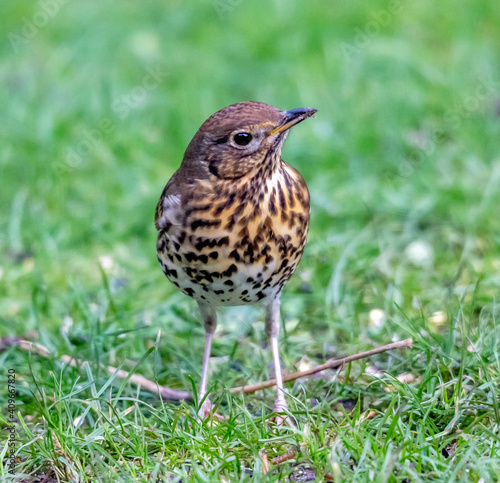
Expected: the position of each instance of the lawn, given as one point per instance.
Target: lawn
(99, 101)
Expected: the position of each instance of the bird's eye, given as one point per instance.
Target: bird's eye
(242, 138)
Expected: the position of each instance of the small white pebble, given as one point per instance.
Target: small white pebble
(303, 365)
(472, 348)
(306, 275)
(368, 415)
(406, 377)
(419, 253)
(106, 262)
(67, 324)
(438, 318)
(373, 371)
(145, 45)
(376, 318)
(78, 421)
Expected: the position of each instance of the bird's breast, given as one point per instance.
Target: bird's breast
(239, 244)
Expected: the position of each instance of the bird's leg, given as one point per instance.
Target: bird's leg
(204, 371)
(272, 332)
(209, 316)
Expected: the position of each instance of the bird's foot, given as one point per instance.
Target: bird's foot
(281, 418)
(206, 410)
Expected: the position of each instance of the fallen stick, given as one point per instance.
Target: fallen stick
(330, 364)
(168, 393)
(163, 391)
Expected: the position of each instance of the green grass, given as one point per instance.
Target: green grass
(402, 161)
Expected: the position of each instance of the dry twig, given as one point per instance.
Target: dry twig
(168, 393)
(330, 364)
(35, 347)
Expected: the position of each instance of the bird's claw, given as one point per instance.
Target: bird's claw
(206, 410)
(281, 417)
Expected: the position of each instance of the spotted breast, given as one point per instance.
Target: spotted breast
(234, 242)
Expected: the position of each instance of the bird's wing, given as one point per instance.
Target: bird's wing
(168, 212)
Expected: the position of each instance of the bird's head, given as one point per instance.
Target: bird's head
(240, 139)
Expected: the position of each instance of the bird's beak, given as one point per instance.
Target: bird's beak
(292, 117)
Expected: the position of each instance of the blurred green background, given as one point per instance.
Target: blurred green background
(100, 99)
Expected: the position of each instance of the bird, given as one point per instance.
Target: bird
(233, 222)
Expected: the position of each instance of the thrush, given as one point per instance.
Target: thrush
(233, 220)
